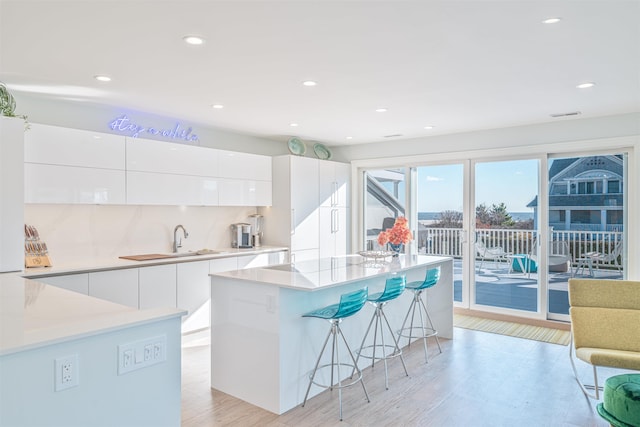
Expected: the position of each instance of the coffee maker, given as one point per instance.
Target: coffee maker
(256, 229)
(241, 235)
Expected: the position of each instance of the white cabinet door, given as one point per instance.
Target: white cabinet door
(223, 264)
(55, 145)
(73, 282)
(276, 258)
(251, 261)
(334, 181)
(72, 184)
(11, 194)
(334, 228)
(305, 215)
(145, 155)
(150, 188)
(244, 166)
(194, 295)
(119, 286)
(242, 192)
(157, 286)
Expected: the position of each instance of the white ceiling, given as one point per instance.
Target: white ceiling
(457, 65)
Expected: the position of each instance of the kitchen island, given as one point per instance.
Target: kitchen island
(42, 327)
(262, 349)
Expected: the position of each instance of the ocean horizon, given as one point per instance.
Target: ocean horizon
(517, 216)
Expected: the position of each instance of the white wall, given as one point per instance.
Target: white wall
(81, 234)
(561, 130)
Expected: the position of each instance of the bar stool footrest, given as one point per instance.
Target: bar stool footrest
(349, 368)
(381, 348)
(425, 332)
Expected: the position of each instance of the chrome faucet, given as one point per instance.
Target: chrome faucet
(177, 242)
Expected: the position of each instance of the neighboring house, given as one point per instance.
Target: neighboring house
(585, 194)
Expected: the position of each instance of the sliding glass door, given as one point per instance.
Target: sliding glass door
(505, 276)
(441, 218)
(586, 211)
(514, 247)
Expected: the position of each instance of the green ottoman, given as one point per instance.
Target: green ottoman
(621, 403)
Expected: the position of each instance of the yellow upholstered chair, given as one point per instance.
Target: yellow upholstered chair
(605, 325)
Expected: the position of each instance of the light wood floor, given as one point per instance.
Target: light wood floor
(480, 379)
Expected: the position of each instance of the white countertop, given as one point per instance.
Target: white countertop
(33, 314)
(103, 264)
(326, 272)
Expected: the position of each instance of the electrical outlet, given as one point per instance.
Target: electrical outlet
(66, 372)
(142, 353)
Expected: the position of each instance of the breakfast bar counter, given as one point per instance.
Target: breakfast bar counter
(262, 349)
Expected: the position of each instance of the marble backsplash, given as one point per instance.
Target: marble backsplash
(77, 234)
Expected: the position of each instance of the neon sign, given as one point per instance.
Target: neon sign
(124, 125)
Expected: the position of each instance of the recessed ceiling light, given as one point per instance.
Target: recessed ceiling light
(428, 127)
(193, 40)
(217, 106)
(309, 83)
(552, 20)
(293, 125)
(349, 137)
(102, 78)
(381, 110)
(585, 85)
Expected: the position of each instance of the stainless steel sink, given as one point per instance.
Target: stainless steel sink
(196, 253)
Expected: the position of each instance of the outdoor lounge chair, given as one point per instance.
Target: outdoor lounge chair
(558, 258)
(604, 325)
(610, 258)
(496, 253)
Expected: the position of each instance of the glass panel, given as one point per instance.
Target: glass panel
(505, 259)
(440, 209)
(591, 222)
(385, 201)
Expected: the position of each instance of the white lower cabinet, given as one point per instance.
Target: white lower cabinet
(194, 294)
(157, 286)
(185, 285)
(72, 282)
(119, 286)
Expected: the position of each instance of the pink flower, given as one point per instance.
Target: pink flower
(397, 234)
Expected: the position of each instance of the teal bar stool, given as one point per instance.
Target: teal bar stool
(394, 286)
(349, 305)
(427, 329)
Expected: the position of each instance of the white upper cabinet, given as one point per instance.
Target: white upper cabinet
(244, 192)
(72, 184)
(244, 166)
(145, 155)
(245, 179)
(150, 188)
(334, 183)
(54, 145)
(73, 166)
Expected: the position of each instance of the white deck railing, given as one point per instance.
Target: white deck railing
(447, 241)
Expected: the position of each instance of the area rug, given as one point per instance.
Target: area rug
(538, 333)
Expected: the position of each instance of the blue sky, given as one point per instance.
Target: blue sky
(513, 182)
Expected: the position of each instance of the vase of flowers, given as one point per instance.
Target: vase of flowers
(397, 236)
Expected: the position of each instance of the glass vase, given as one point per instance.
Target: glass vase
(396, 248)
